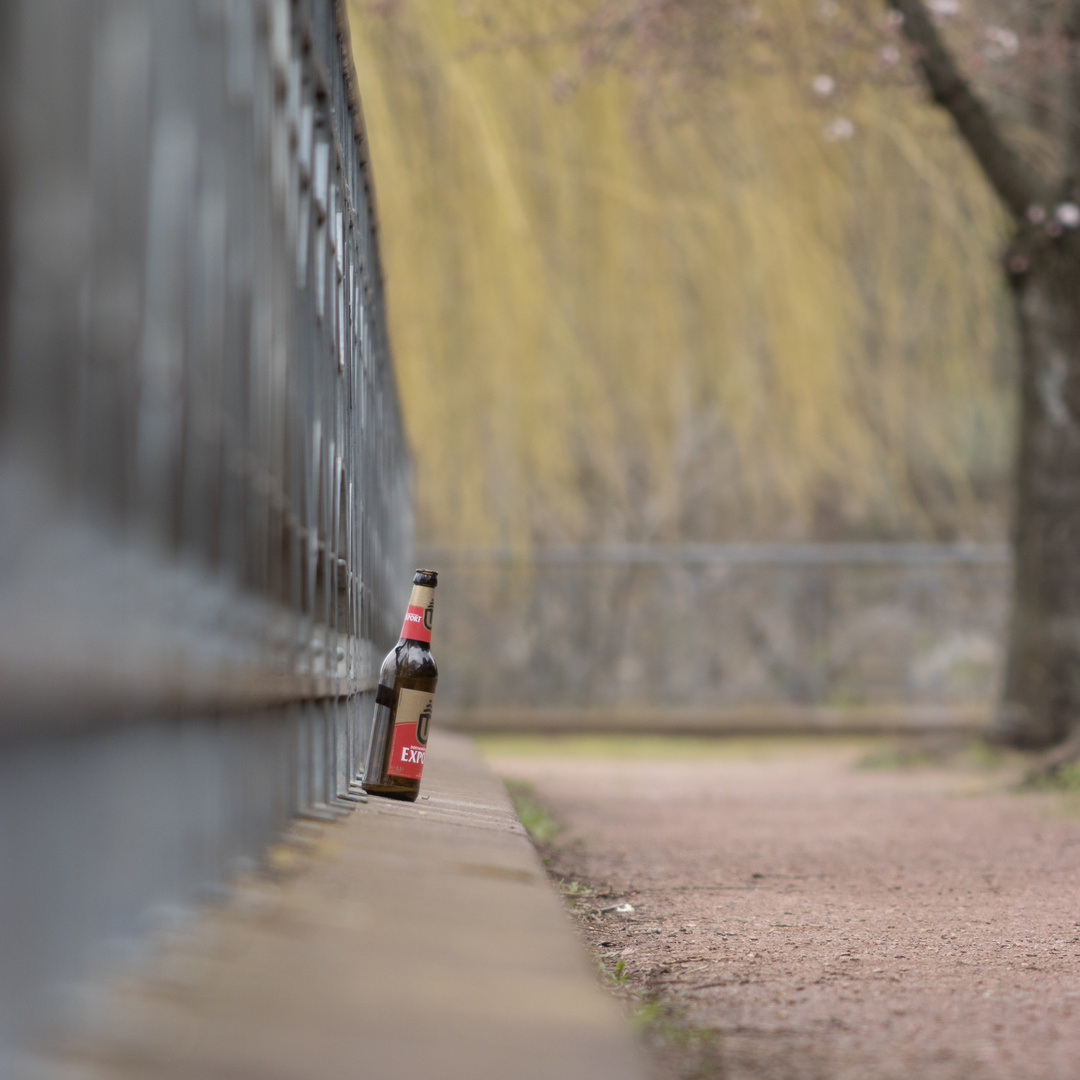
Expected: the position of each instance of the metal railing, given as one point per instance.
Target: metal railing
(722, 637)
(745, 554)
(205, 525)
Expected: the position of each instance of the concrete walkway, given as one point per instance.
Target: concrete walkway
(421, 942)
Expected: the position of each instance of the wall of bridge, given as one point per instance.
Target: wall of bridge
(205, 524)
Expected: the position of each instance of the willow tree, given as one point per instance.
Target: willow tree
(629, 322)
(1025, 138)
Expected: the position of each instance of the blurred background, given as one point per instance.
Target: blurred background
(656, 303)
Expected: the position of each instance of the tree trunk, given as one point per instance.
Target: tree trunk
(1040, 703)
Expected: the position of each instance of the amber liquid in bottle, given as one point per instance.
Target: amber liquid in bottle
(403, 701)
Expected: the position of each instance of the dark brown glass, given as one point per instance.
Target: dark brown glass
(409, 665)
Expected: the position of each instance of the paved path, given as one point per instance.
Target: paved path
(831, 922)
(416, 942)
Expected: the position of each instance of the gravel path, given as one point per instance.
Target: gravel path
(801, 918)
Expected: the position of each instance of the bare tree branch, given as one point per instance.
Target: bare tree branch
(1016, 184)
(1072, 100)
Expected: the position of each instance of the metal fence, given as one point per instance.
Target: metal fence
(205, 526)
(722, 637)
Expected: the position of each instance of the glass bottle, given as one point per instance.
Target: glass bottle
(403, 701)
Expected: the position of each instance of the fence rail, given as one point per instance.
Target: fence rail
(728, 637)
(751, 554)
(205, 527)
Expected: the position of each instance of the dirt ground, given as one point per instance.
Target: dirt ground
(821, 911)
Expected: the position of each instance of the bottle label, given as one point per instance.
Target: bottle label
(417, 625)
(409, 744)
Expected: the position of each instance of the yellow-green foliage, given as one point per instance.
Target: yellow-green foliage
(697, 320)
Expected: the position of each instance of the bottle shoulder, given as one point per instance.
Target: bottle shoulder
(415, 661)
(408, 659)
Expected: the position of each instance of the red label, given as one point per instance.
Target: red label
(406, 754)
(409, 743)
(417, 625)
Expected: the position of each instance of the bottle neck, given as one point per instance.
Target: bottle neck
(418, 616)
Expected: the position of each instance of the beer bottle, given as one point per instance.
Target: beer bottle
(403, 701)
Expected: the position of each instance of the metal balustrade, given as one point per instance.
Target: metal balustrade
(720, 637)
(205, 525)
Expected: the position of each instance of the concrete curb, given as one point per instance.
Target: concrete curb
(410, 941)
